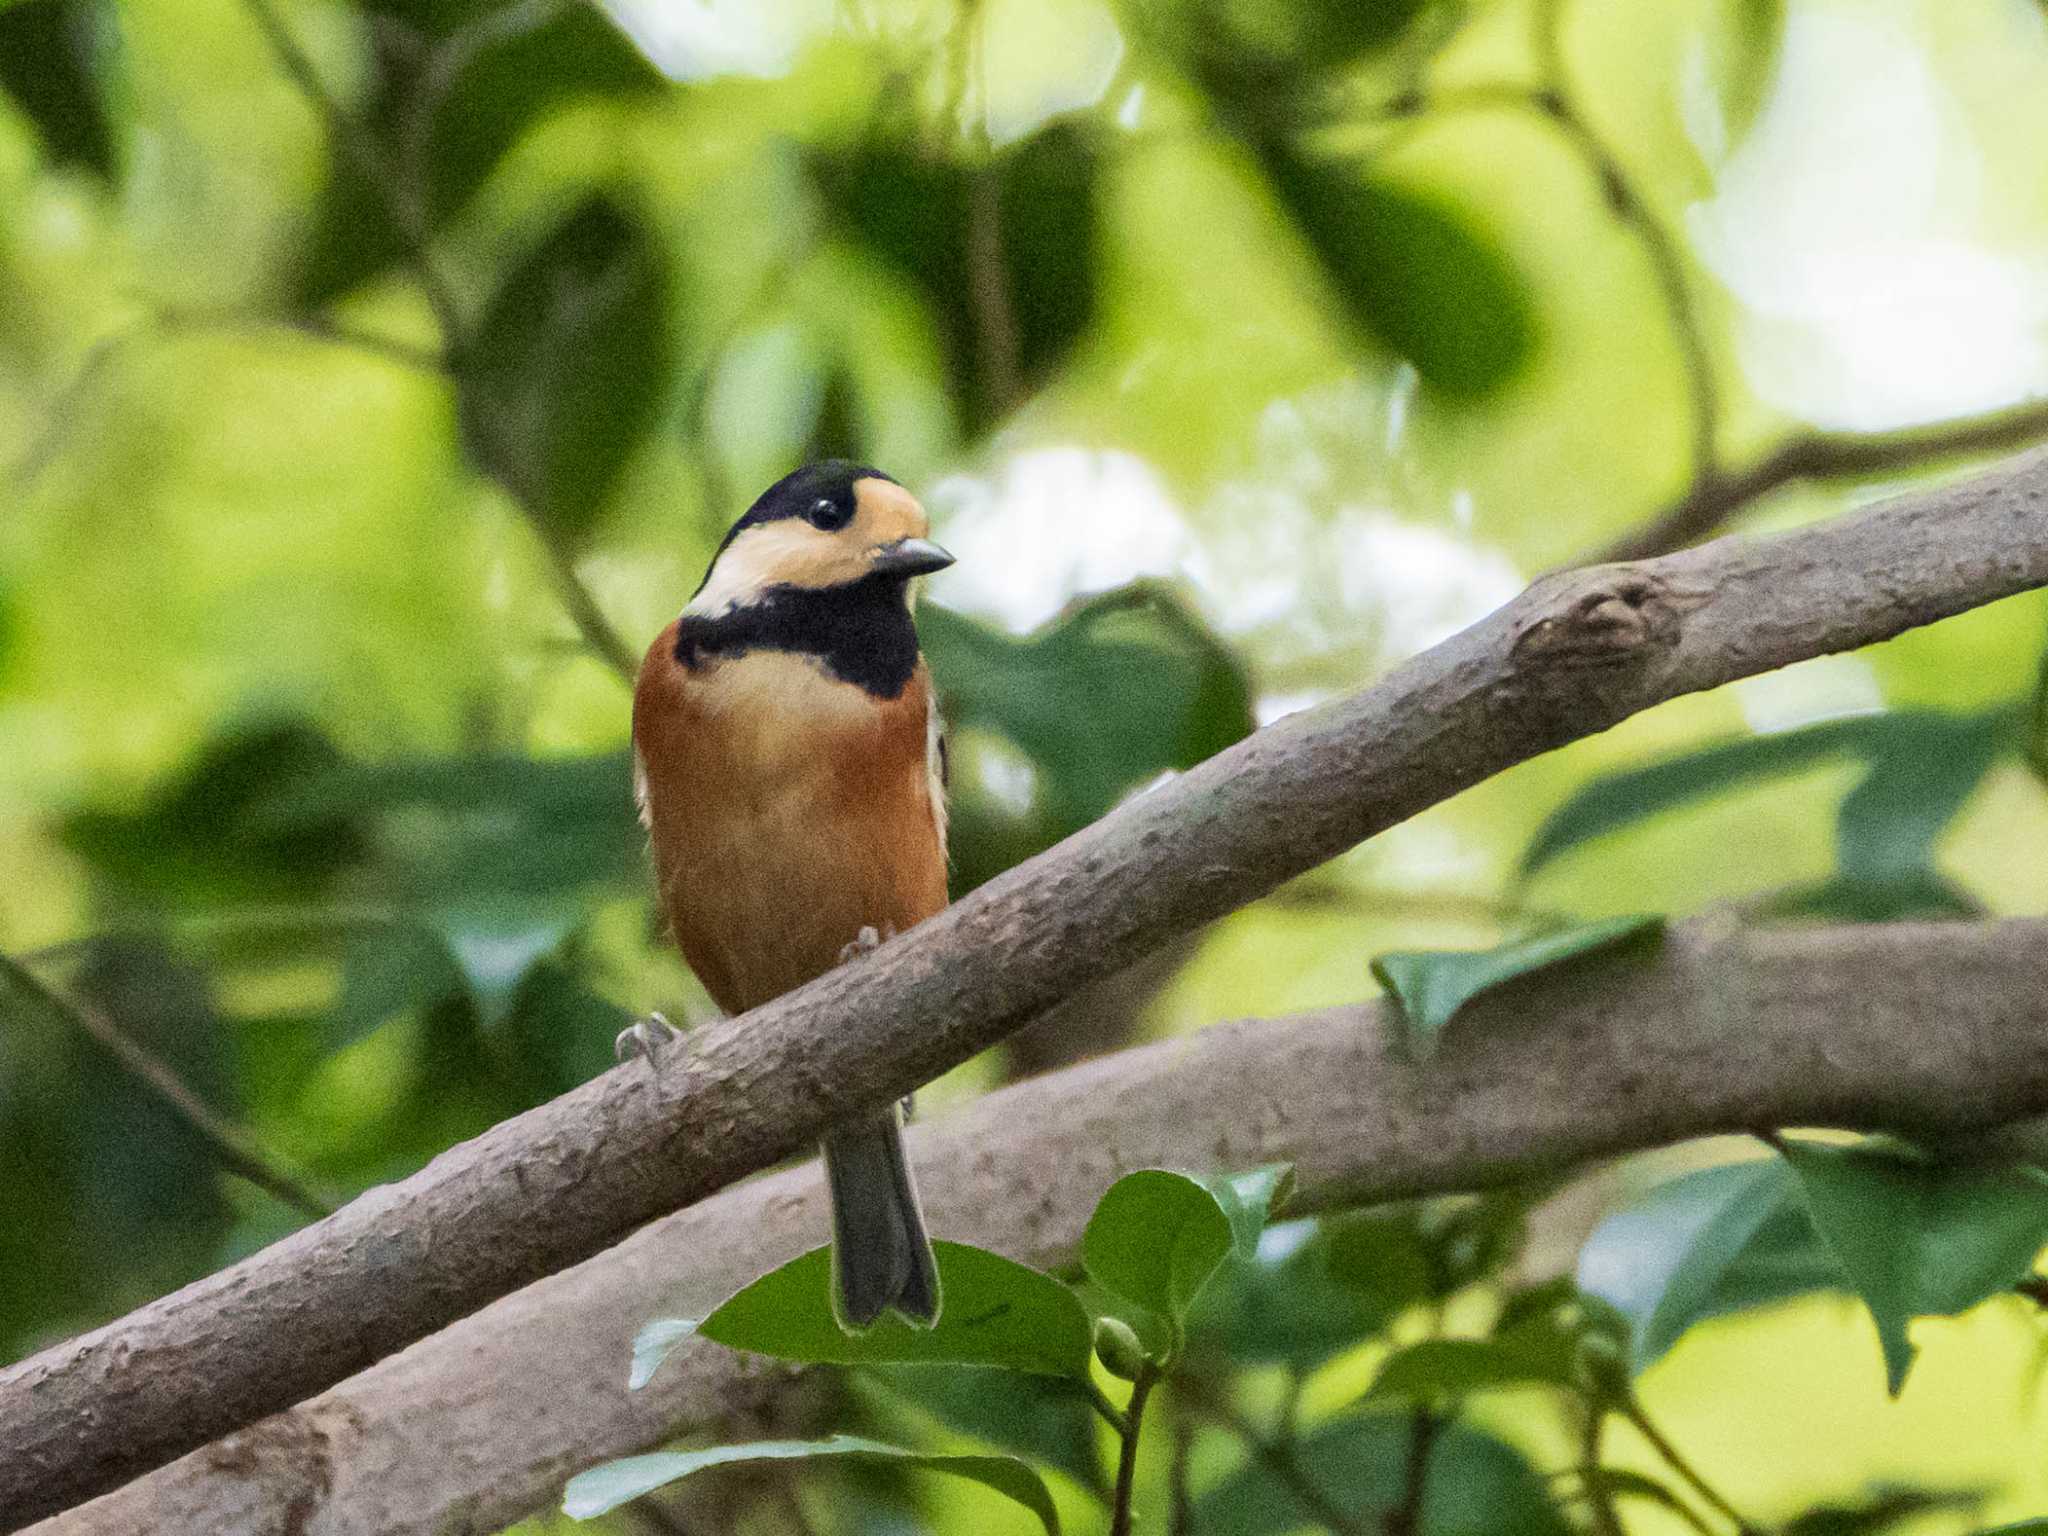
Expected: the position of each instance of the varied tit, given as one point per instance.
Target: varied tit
(789, 768)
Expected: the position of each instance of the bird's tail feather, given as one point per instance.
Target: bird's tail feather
(881, 1257)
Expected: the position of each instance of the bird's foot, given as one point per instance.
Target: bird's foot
(867, 941)
(650, 1037)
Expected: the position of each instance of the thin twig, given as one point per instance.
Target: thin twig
(1110, 1414)
(1279, 1459)
(1180, 1516)
(1675, 1459)
(1707, 504)
(1405, 1518)
(1127, 1456)
(1599, 1498)
(353, 139)
(233, 1149)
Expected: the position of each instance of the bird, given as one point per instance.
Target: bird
(789, 764)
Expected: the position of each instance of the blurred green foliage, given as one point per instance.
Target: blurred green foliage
(377, 375)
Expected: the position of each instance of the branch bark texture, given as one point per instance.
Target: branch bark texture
(1936, 1029)
(1575, 654)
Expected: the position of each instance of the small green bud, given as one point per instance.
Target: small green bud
(1602, 1369)
(1117, 1347)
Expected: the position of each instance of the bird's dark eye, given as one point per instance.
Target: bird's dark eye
(828, 515)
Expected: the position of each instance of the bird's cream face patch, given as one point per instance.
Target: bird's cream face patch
(789, 552)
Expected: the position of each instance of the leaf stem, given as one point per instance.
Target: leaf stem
(1127, 1458)
(1599, 1497)
(1675, 1459)
(232, 1148)
(1278, 1457)
(1112, 1415)
(1405, 1518)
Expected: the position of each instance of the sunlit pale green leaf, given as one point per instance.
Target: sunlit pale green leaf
(605, 1488)
(653, 1344)
(1430, 986)
(1475, 1485)
(994, 1312)
(1155, 1239)
(1919, 1238)
(569, 365)
(51, 52)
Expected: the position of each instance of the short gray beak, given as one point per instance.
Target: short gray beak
(910, 557)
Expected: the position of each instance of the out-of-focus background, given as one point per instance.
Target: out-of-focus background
(376, 379)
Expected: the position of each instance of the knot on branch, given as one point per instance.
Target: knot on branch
(1602, 616)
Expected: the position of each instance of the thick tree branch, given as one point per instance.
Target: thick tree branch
(1578, 652)
(1934, 1028)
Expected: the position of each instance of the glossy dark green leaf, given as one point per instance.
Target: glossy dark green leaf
(1475, 1486)
(1047, 1420)
(993, 1312)
(1430, 986)
(605, 1488)
(50, 56)
(1412, 269)
(569, 366)
(1155, 1239)
(497, 70)
(1916, 1237)
(1121, 688)
(1705, 1243)
(1003, 254)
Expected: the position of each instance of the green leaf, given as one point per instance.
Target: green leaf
(212, 834)
(996, 1312)
(513, 73)
(1454, 1368)
(605, 1488)
(496, 944)
(1709, 1242)
(1121, 688)
(50, 51)
(654, 1343)
(935, 222)
(1744, 60)
(569, 366)
(1336, 33)
(1250, 1199)
(1155, 1239)
(1410, 268)
(1920, 1238)
(1430, 986)
(1293, 1306)
(1047, 1420)
(1920, 768)
(1883, 1509)
(2024, 1528)
(1475, 1486)
(386, 971)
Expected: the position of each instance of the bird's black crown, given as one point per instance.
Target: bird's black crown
(800, 493)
